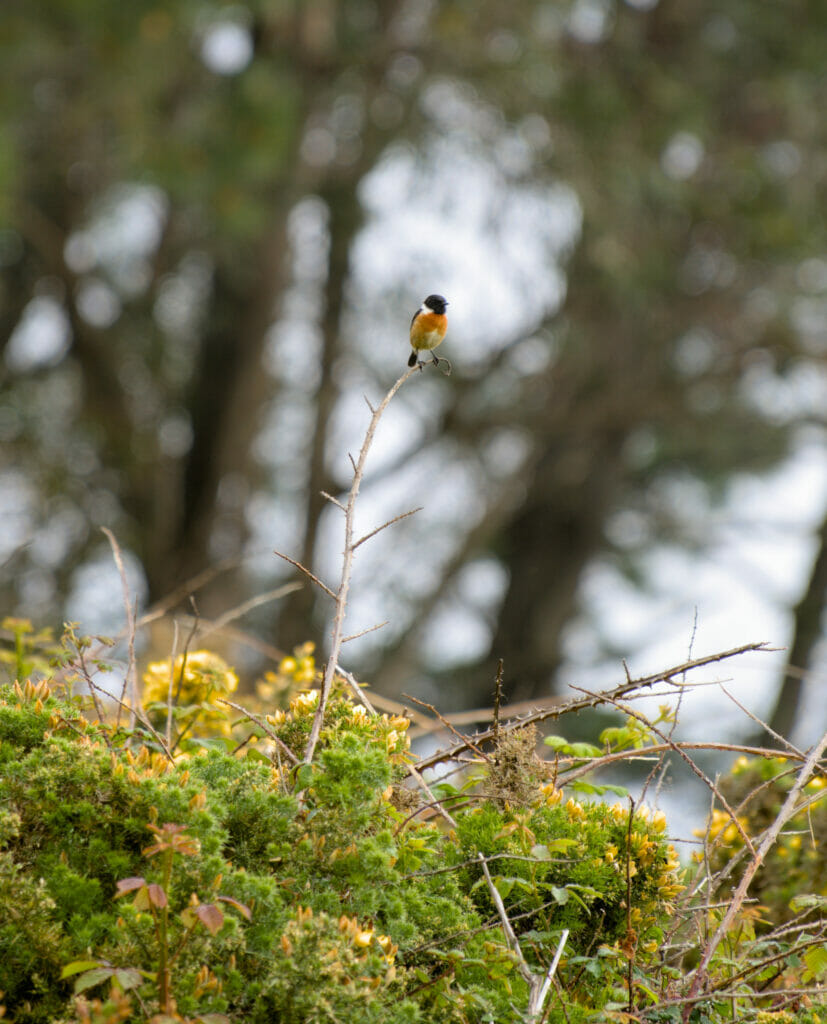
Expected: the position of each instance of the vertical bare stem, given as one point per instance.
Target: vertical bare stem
(129, 683)
(347, 567)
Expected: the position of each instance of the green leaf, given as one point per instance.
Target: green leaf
(561, 845)
(808, 902)
(504, 885)
(560, 896)
(77, 966)
(598, 790)
(253, 754)
(95, 977)
(562, 746)
(816, 960)
(304, 776)
(127, 977)
(540, 852)
(585, 750)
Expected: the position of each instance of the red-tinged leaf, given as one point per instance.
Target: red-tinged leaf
(240, 907)
(129, 885)
(95, 977)
(157, 896)
(77, 966)
(210, 916)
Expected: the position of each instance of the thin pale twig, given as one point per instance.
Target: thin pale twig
(510, 937)
(565, 707)
(364, 632)
(468, 742)
(262, 724)
(307, 572)
(172, 657)
(350, 679)
(552, 970)
(247, 606)
(423, 785)
(129, 675)
(771, 834)
(384, 526)
(764, 725)
(332, 500)
(341, 595)
(685, 757)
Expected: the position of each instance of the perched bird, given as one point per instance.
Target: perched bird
(428, 328)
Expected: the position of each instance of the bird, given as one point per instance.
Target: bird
(428, 328)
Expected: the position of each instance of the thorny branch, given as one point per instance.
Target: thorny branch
(341, 594)
(580, 704)
(770, 836)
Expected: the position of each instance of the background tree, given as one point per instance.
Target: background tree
(193, 302)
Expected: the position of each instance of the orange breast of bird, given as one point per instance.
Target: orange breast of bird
(428, 330)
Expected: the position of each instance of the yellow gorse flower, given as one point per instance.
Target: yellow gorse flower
(295, 671)
(194, 678)
(305, 703)
(550, 794)
(722, 824)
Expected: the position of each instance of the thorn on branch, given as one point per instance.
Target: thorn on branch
(332, 500)
(384, 526)
(498, 695)
(307, 572)
(363, 632)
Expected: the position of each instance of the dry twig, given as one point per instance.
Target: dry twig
(341, 594)
(771, 834)
(538, 985)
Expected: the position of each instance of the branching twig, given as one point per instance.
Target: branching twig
(129, 675)
(538, 985)
(470, 745)
(384, 526)
(364, 632)
(685, 757)
(262, 724)
(340, 597)
(240, 610)
(351, 681)
(788, 810)
(307, 572)
(631, 685)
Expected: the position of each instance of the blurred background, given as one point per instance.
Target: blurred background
(216, 222)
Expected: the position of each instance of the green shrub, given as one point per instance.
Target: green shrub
(228, 885)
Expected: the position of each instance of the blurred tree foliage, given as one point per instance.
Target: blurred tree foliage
(154, 163)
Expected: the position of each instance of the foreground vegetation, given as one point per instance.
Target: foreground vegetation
(183, 862)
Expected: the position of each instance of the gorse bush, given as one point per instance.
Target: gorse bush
(228, 879)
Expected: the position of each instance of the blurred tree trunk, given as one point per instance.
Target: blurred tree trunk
(546, 549)
(344, 220)
(808, 631)
(227, 394)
